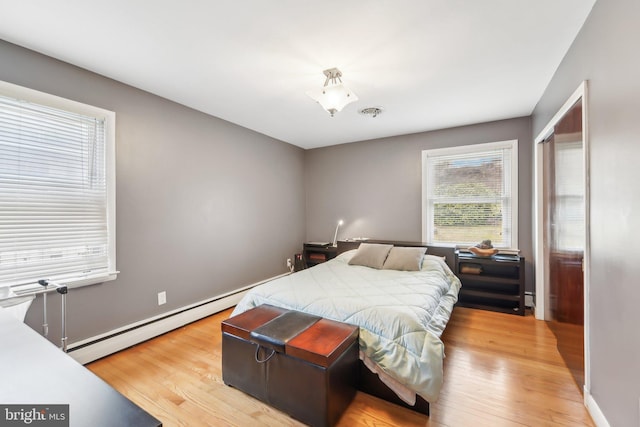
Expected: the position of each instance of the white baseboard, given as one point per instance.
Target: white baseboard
(102, 345)
(594, 410)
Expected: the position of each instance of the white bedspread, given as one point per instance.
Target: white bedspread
(401, 314)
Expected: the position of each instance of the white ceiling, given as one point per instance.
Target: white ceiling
(431, 64)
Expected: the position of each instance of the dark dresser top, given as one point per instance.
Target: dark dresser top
(34, 371)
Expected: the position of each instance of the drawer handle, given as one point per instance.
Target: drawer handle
(268, 357)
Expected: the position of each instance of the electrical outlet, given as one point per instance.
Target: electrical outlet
(162, 297)
(289, 263)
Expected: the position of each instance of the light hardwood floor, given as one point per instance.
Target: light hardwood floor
(500, 370)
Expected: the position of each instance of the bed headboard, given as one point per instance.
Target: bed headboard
(444, 251)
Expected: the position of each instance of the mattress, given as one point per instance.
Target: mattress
(401, 314)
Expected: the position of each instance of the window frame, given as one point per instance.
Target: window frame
(427, 215)
(33, 96)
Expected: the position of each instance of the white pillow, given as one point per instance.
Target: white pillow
(404, 258)
(371, 255)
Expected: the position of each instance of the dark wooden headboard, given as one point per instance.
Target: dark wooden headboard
(444, 251)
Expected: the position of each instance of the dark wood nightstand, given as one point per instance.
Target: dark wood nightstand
(314, 253)
(495, 283)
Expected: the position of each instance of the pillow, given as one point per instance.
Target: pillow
(405, 259)
(371, 255)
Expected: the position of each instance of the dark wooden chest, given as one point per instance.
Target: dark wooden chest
(304, 366)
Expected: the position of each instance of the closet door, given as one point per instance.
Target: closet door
(565, 208)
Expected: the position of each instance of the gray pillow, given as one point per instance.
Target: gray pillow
(405, 259)
(371, 255)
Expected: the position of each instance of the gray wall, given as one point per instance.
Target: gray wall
(203, 206)
(606, 54)
(376, 186)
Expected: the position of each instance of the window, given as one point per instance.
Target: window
(470, 194)
(57, 189)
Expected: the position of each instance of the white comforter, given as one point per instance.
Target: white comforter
(401, 314)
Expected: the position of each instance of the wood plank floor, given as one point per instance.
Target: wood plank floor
(500, 370)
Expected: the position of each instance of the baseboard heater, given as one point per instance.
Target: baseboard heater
(99, 346)
(528, 300)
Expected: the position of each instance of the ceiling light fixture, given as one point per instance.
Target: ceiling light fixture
(334, 96)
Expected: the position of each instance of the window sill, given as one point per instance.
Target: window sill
(75, 283)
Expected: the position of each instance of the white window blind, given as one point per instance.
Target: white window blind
(470, 195)
(54, 195)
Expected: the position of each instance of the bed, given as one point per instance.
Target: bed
(401, 314)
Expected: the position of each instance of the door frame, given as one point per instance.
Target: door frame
(538, 232)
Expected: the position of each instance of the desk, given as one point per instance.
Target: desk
(34, 371)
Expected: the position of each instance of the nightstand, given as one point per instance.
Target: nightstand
(314, 253)
(495, 283)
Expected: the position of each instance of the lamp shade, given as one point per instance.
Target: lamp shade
(334, 95)
(333, 98)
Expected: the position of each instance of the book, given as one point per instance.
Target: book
(319, 244)
(509, 251)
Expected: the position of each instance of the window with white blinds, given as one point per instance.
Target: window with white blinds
(56, 190)
(470, 194)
